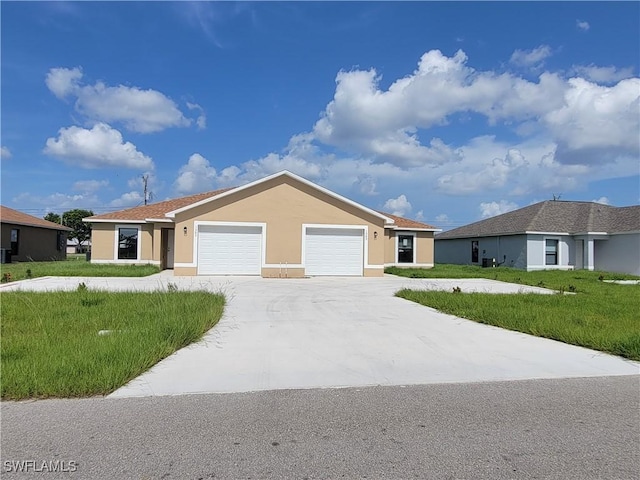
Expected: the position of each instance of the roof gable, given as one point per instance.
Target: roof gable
(284, 173)
(554, 216)
(9, 215)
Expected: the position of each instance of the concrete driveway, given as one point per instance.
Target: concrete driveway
(338, 332)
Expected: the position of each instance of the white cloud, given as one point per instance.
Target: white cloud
(366, 185)
(419, 216)
(491, 209)
(609, 74)
(596, 121)
(56, 202)
(196, 176)
(398, 206)
(603, 200)
(142, 111)
(89, 186)
(127, 200)
(100, 147)
(63, 81)
(583, 25)
(383, 125)
(531, 58)
(201, 121)
(5, 153)
(443, 219)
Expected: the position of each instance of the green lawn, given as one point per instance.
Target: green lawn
(51, 346)
(73, 267)
(600, 315)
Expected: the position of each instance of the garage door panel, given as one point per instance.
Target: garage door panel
(334, 251)
(229, 250)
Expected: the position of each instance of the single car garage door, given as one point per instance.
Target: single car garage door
(229, 250)
(334, 251)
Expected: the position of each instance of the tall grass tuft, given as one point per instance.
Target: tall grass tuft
(83, 343)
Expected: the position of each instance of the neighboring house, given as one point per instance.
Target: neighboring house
(73, 246)
(553, 234)
(31, 238)
(279, 226)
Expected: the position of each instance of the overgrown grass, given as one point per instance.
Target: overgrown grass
(73, 267)
(51, 346)
(603, 316)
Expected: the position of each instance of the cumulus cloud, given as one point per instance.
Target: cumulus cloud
(531, 58)
(383, 126)
(608, 74)
(596, 121)
(491, 209)
(443, 219)
(366, 185)
(5, 153)
(129, 199)
(89, 186)
(138, 110)
(583, 25)
(196, 176)
(603, 200)
(100, 147)
(397, 206)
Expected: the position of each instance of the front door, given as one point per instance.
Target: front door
(166, 248)
(405, 249)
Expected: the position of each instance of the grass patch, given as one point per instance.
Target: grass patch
(72, 267)
(51, 346)
(602, 316)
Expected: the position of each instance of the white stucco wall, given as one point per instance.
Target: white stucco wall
(536, 254)
(620, 253)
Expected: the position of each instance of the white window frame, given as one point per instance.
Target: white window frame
(116, 243)
(558, 255)
(415, 246)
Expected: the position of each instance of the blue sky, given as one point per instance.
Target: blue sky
(443, 112)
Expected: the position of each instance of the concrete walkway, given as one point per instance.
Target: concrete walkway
(338, 332)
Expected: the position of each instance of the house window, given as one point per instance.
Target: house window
(127, 244)
(551, 252)
(15, 241)
(474, 251)
(405, 248)
(59, 241)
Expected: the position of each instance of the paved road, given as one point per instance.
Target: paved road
(564, 429)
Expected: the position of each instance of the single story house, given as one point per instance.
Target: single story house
(553, 234)
(279, 226)
(28, 238)
(74, 247)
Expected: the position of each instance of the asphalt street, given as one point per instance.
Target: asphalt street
(582, 428)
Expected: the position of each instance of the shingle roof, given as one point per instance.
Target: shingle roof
(157, 210)
(9, 215)
(407, 223)
(554, 216)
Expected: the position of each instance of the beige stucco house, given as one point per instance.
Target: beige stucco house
(279, 226)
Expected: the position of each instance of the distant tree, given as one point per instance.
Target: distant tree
(73, 219)
(52, 217)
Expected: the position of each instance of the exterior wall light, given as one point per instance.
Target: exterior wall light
(184, 230)
(375, 235)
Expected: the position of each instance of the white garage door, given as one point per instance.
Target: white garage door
(334, 251)
(229, 250)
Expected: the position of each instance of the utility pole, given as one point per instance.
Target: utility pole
(147, 194)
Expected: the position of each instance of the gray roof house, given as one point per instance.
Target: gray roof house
(553, 234)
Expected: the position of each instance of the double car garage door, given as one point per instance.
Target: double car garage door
(237, 250)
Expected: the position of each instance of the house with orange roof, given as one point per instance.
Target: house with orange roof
(279, 226)
(27, 238)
